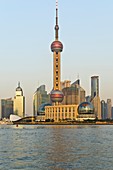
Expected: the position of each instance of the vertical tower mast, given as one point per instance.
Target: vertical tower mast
(56, 48)
(56, 26)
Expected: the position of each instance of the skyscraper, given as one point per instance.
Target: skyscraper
(19, 102)
(40, 97)
(74, 94)
(103, 110)
(109, 105)
(81, 91)
(6, 107)
(95, 99)
(94, 86)
(112, 112)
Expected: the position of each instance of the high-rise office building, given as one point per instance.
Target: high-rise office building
(109, 106)
(74, 94)
(81, 91)
(112, 112)
(97, 106)
(6, 107)
(40, 97)
(94, 86)
(19, 102)
(82, 95)
(71, 95)
(103, 110)
(95, 99)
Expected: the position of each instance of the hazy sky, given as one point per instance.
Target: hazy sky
(26, 33)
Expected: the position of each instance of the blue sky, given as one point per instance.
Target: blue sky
(26, 33)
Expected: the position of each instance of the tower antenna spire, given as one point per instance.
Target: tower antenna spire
(56, 26)
(19, 84)
(56, 4)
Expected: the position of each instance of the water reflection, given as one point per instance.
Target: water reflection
(56, 147)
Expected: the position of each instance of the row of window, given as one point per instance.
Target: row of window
(63, 115)
(60, 109)
(56, 72)
(86, 116)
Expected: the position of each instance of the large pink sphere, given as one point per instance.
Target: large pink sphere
(56, 46)
(57, 96)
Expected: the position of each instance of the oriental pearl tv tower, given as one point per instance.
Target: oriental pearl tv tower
(56, 47)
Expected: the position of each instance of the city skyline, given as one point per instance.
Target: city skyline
(26, 35)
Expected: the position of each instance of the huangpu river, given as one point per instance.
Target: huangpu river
(56, 147)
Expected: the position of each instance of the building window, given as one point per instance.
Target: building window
(56, 73)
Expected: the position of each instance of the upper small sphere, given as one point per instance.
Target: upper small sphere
(56, 27)
(57, 96)
(86, 108)
(56, 46)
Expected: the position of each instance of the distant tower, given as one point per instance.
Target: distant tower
(56, 48)
(103, 110)
(40, 97)
(94, 86)
(109, 106)
(95, 99)
(6, 107)
(19, 102)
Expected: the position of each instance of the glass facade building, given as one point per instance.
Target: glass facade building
(94, 86)
(74, 94)
(109, 106)
(6, 107)
(39, 97)
(95, 99)
(103, 110)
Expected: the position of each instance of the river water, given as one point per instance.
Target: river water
(56, 147)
